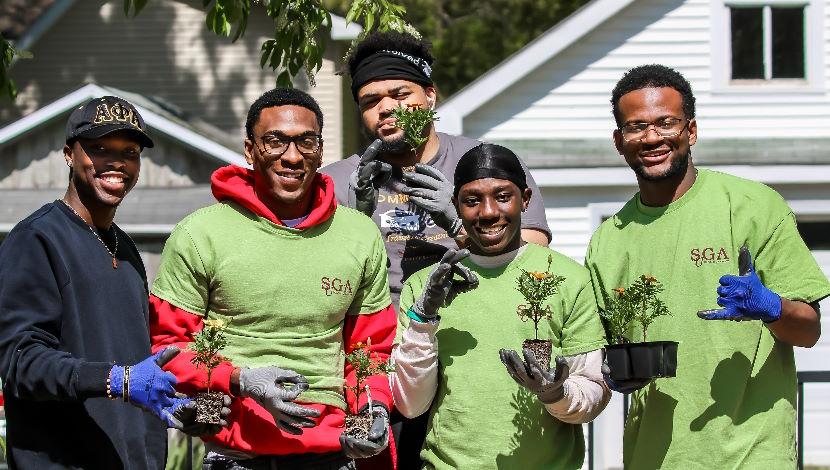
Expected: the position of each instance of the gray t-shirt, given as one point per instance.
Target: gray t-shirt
(413, 241)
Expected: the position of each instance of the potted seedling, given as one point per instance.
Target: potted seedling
(625, 307)
(536, 288)
(414, 119)
(364, 365)
(206, 346)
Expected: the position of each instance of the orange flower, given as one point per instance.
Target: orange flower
(648, 278)
(539, 276)
(620, 290)
(413, 106)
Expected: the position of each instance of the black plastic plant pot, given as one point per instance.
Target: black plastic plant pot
(642, 360)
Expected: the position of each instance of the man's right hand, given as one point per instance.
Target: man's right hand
(440, 283)
(622, 386)
(366, 180)
(266, 385)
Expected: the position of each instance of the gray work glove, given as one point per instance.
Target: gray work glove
(266, 386)
(549, 387)
(185, 416)
(366, 180)
(622, 386)
(431, 191)
(377, 440)
(440, 283)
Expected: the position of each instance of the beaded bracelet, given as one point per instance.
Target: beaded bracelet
(109, 387)
(125, 391)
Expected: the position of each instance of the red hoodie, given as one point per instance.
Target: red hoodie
(251, 428)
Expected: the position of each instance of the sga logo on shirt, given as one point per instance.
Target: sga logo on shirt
(708, 255)
(335, 285)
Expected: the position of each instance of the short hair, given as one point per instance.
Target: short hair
(653, 76)
(281, 97)
(388, 40)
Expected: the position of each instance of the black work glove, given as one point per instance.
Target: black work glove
(185, 415)
(377, 440)
(549, 387)
(266, 386)
(440, 283)
(366, 180)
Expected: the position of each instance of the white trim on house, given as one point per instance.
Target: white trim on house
(512, 69)
(623, 176)
(160, 123)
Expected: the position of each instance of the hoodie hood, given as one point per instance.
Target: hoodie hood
(235, 183)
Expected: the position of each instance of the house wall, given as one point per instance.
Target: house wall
(167, 52)
(36, 162)
(568, 97)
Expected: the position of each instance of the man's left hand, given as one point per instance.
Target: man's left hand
(744, 297)
(374, 444)
(549, 387)
(431, 191)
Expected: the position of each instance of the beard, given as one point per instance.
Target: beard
(397, 145)
(677, 168)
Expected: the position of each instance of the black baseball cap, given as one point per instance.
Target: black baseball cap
(101, 116)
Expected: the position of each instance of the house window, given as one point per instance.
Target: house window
(768, 41)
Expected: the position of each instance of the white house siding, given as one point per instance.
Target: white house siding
(166, 51)
(568, 97)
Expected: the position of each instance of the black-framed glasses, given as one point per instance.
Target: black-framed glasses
(665, 128)
(276, 145)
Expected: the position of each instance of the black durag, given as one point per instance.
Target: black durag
(489, 161)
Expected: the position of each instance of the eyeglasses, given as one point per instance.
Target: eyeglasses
(307, 144)
(665, 128)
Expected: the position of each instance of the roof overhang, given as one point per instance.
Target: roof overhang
(527, 59)
(159, 123)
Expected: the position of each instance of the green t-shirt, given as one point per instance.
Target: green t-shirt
(732, 404)
(285, 292)
(480, 418)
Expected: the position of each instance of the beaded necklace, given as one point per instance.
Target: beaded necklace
(113, 252)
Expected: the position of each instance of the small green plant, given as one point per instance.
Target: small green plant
(413, 119)
(207, 344)
(638, 303)
(536, 287)
(365, 365)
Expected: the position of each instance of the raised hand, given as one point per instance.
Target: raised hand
(744, 297)
(266, 385)
(549, 387)
(430, 190)
(366, 180)
(183, 418)
(440, 283)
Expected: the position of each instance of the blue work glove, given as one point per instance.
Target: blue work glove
(744, 297)
(149, 387)
(366, 180)
(440, 284)
(376, 441)
(430, 190)
(622, 386)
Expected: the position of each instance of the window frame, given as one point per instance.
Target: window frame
(721, 33)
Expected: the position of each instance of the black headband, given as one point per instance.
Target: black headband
(489, 161)
(384, 65)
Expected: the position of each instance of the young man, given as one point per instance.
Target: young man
(298, 280)
(73, 303)
(407, 192)
(453, 331)
(732, 403)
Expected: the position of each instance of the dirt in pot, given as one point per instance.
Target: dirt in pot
(357, 426)
(541, 348)
(209, 407)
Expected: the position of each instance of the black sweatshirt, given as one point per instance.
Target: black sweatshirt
(66, 316)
